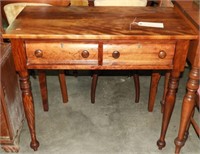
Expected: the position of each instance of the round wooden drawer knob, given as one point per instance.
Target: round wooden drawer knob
(162, 54)
(38, 53)
(85, 54)
(116, 54)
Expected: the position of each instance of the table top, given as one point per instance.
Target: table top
(97, 23)
(191, 10)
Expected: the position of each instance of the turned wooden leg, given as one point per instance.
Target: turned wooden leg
(28, 107)
(43, 89)
(137, 87)
(168, 107)
(93, 86)
(167, 75)
(187, 107)
(63, 86)
(155, 77)
(19, 55)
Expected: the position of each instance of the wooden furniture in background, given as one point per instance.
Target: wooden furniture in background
(11, 107)
(190, 12)
(140, 48)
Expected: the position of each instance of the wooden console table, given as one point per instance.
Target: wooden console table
(98, 38)
(190, 11)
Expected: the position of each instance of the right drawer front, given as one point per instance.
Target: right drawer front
(138, 54)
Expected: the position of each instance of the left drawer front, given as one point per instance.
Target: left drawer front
(62, 53)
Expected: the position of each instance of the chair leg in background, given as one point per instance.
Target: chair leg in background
(63, 86)
(43, 89)
(93, 86)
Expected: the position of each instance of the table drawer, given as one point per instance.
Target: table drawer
(138, 54)
(62, 53)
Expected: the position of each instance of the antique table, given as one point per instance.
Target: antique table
(190, 11)
(99, 38)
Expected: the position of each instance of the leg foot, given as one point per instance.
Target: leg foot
(179, 144)
(161, 144)
(34, 145)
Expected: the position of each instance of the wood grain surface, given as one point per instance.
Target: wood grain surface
(97, 23)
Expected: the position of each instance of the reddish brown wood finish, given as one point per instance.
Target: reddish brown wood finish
(190, 12)
(155, 77)
(66, 53)
(167, 76)
(19, 55)
(196, 126)
(43, 89)
(130, 54)
(63, 86)
(187, 107)
(65, 29)
(193, 120)
(52, 24)
(91, 2)
(172, 89)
